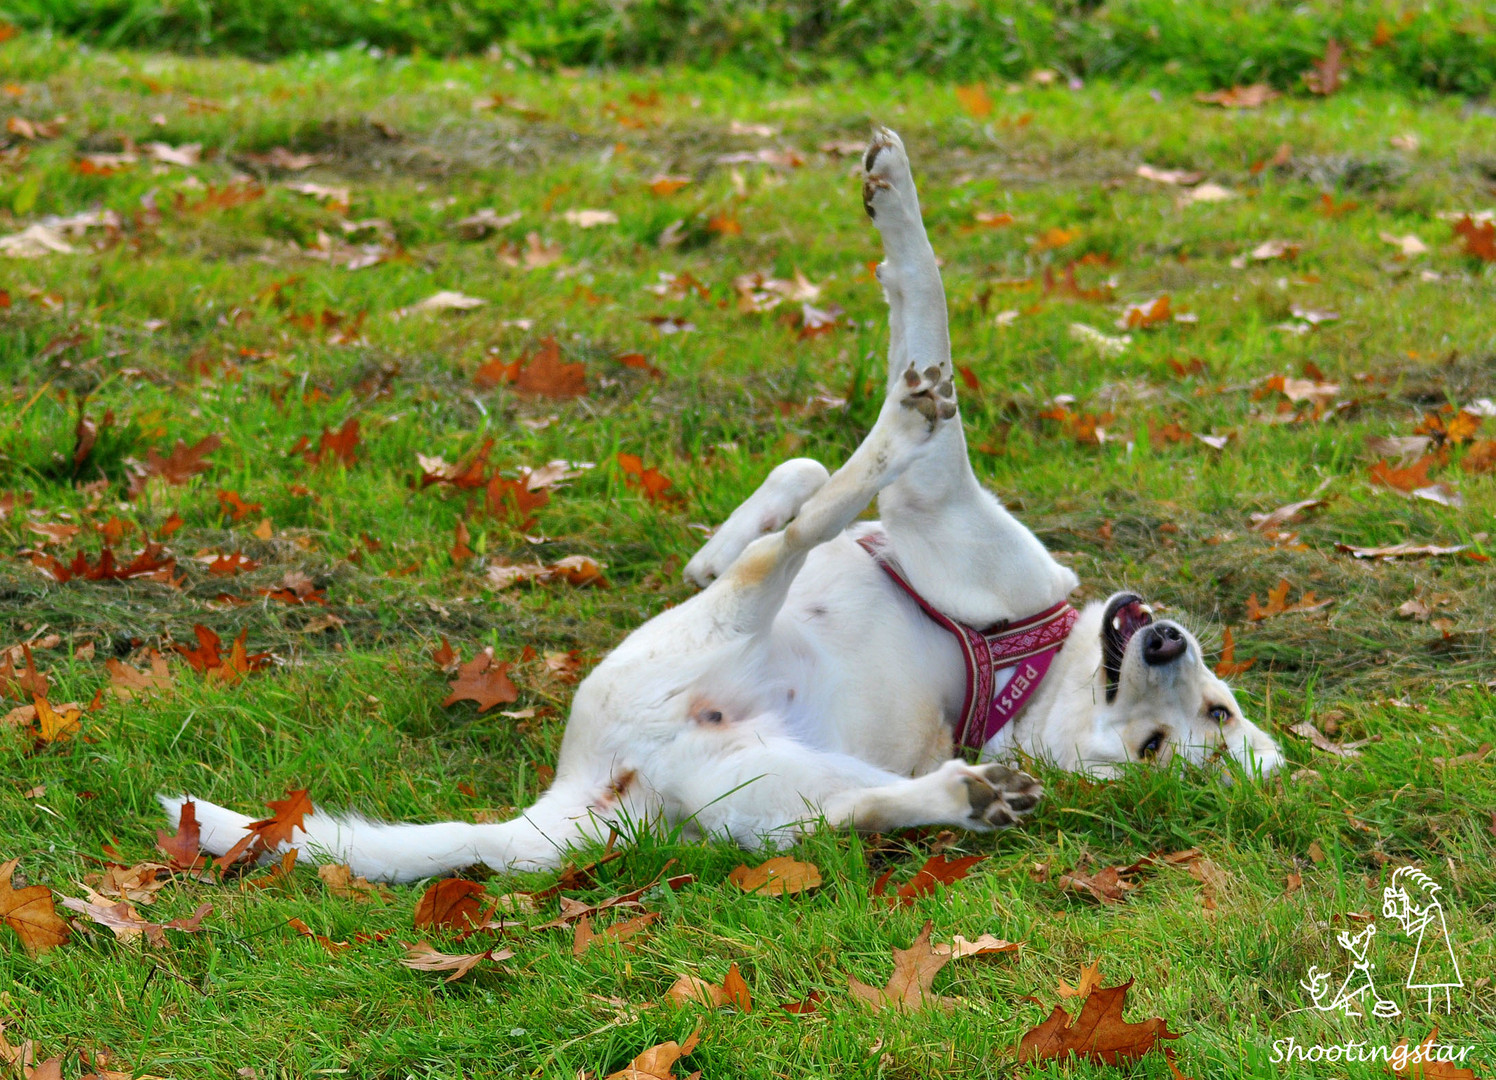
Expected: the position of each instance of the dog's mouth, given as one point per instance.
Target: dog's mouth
(1125, 615)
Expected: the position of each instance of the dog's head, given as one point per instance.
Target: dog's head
(1153, 698)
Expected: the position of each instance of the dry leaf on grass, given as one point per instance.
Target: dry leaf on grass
(422, 957)
(693, 988)
(658, 1062)
(1108, 885)
(30, 912)
(936, 871)
(484, 681)
(1284, 515)
(1277, 603)
(914, 971)
(1090, 979)
(126, 682)
(986, 945)
(1228, 667)
(782, 876)
(451, 904)
(1098, 1033)
(1305, 729)
(125, 922)
(341, 882)
(584, 936)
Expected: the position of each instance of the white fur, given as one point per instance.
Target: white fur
(801, 684)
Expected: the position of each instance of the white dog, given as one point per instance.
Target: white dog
(828, 667)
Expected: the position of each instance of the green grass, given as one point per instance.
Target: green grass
(1443, 45)
(131, 321)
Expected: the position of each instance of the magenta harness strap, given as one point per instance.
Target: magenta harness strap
(1028, 646)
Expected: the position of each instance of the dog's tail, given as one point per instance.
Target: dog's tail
(381, 851)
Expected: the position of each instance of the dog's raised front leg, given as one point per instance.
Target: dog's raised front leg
(959, 547)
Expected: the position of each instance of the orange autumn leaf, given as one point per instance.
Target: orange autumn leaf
(182, 847)
(1480, 239)
(975, 100)
(936, 871)
(484, 681)
(1410, 478)
(781, 876)
(513, 501)
(451, 904)
(460, 550)
(724, 225)
(651, 482)
(1147, 314)
(31, 913)
(544, 375)
(1055, 237)
(339, 446)
(668, 185)
(658, 1062)
(584, 935)
(693, 988)
(1458, 429)
(288, 817)
(235, 506)
(909, 987)
(1098, 1033)
(1481, 457)
(1228, 666)
(56, 724)
(1277, 603)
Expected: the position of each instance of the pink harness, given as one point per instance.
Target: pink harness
(1026, 648)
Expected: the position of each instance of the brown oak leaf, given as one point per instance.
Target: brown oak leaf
(1098, 1033)
(484, 681)
(30, 912)
(909, 987)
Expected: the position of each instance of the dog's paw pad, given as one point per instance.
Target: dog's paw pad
(886, 177)
(930, 393)
(1000, 796)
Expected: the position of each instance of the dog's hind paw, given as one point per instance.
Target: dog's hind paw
(1000, 796)
(931, 393)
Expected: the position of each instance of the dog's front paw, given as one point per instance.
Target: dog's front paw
(931, 393)
(887, 184)
(1000, 796)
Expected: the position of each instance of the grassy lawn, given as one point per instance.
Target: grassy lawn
(221, 303)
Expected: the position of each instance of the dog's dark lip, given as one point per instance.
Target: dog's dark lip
(1125, 615)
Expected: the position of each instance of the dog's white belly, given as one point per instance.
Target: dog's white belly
(872, 676)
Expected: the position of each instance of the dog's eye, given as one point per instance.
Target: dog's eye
(1220, 714)
(1150, 748)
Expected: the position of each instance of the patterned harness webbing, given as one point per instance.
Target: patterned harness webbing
(1030, 643)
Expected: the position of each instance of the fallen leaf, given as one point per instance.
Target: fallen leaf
(484, 681)
(658, 1062)
(30, 912)
(334, 947)
(809, 1004)
(1182, 177)
(1407, 479)
(121, 919)
(280, 827)
(1398, 551)
(341, 882)
(1144, 315)
(1480, 239)
(1228, 667)
(442, 301)
(936, 871)
(584, 935)
(1108, 885)
(782, 876)
(590, 219)
(1480, 458)
(1277, 603)
(422, 957)
(694, 989)
(909, 987)
(986, 945)
(651, 482)
(451, 904)
(1098, 1033)
(1325, 75)
(1407, 244)
(1090, 979)
(1305, 729)
(1240, 97)
(975, 101)
(177, 468)
(183, 846)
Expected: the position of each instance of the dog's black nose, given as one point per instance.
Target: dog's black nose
(1162, 644)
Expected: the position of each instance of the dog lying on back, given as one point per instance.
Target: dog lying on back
(830, 667)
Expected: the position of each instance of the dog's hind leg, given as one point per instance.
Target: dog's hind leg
(755, 782)
(777, 500)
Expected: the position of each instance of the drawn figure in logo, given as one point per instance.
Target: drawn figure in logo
(1434, 966)
(1358, 981)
